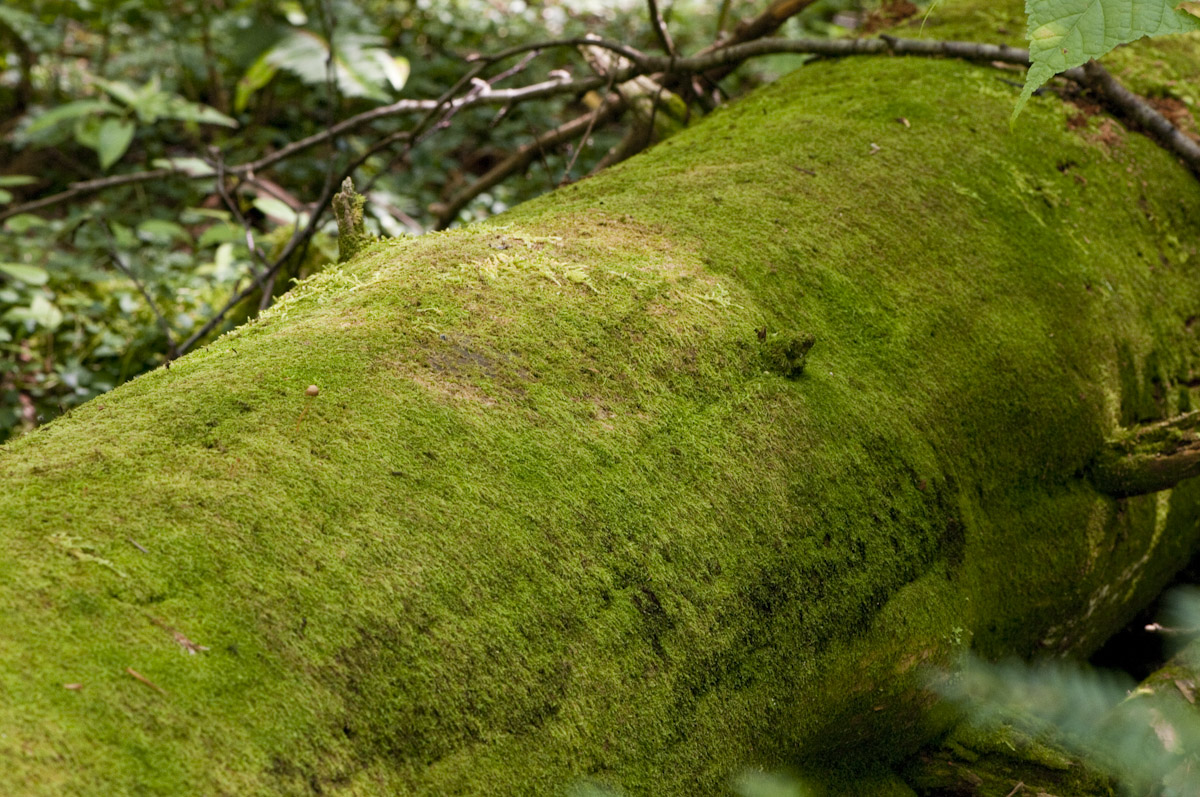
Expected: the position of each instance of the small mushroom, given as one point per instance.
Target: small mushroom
(312, 390)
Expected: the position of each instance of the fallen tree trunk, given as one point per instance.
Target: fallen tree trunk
(574, 501)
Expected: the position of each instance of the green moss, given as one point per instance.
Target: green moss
(996, 760)
(551, 519)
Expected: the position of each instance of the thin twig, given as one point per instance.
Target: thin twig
(710, 63)
(766, 23)
(217, 161)
(549, 44)
(515, 69)
(419, 131)
(520, 160)
(722, 16)
(593, 117)
(115, 256)
(640, 64)
(660, 29)
(87, 187)
(145, 680)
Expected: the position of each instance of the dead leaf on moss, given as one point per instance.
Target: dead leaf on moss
(145, 680)
(1177, 113)
(191, 647)
(187, 644)
(889, 13)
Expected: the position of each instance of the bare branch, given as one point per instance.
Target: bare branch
(711, 64)
(217, 161)
(115, 255)
(638, 64)
(428, 123)
(521, 159)
(1128, 104)
(87, 187)
(660, 29)
(766, 23)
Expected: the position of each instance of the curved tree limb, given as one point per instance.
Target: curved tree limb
(1130, 105)
(1150, 458)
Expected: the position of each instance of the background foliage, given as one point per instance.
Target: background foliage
(100, 288)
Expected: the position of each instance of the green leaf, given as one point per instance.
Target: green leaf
(5, 197)
(293, 11)
(361, 67)
(121, 91)
(395, 68)
(29, 28)
(221, 233)
(113, 140)
(258, 75)
(162, 231)
(1064, 34)
(151, 103)
(176, 107)
(17, 179)
(193, 167)
(40, 311)
(30, 275)
(24, 222)
(276, 210)
(123, 235)
(65, 113)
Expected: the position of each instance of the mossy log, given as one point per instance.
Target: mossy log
(560, 511)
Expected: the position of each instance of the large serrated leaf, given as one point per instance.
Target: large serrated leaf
(1064, 34)
(362, 68)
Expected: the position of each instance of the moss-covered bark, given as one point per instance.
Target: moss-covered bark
(557, 513)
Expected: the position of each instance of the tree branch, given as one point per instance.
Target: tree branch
(413, 137)
(1133, 107)
(639, 64)
(660, 28)
(521, 158)
(1150, 458)
(119, 262)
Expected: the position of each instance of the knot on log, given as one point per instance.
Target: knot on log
(786, 353)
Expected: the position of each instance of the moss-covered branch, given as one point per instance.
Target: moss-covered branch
(1150, 458)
